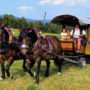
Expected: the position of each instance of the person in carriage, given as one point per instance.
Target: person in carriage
(65, 35)
(10, 35)
(78, 35)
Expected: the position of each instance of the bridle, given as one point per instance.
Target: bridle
(24, 45)
(31, 47)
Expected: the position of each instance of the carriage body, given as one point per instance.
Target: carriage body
(69, 47)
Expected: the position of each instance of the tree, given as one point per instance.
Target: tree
(23, 22)
(11, 21)
(19, 23)
(1, 20)
(5, 20)
(30, 24)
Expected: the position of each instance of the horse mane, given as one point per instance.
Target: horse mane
(25, 32)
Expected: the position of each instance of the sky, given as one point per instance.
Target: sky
(35, 9)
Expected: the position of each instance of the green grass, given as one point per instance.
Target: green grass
(43, 34)
(71, 78)
(15, 31)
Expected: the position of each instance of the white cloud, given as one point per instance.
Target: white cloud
(57, 2)
(66, 2)
(25, 8)
(42, 2)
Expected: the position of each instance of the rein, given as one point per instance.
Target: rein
(39, 45)
(36, 45)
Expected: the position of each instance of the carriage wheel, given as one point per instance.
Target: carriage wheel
(82, 62)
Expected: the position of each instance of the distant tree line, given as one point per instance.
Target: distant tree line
(19, 23)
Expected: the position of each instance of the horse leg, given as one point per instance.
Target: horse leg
(47, 69)
(58, 62)
(3, 71)
(60, 67)
(29, 68)
(32, 63)
(10, 61)
(37, 70)
(24, 67)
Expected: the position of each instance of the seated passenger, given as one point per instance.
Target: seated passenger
(77, 34)
(63, 35)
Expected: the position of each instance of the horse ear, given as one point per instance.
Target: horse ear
(30, 31)
(19, 30)
(0, 27)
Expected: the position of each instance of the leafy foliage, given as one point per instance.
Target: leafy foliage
(19, 23)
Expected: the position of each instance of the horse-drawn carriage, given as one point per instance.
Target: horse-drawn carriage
(33, 48)
(69, 47)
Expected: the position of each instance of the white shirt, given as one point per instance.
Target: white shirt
(77, 33)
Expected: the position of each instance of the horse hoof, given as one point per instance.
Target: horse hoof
(59, 73)
(1, 79)
(34, 75)
(11, 76)
(36, 83)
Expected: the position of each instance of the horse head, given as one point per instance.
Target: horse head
(25, 45)
(27, 38)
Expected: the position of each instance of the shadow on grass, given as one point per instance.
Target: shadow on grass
(88, 61)
(87, 57)
(52, 71)
(19, 72)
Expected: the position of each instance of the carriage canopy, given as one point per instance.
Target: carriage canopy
(69, 20)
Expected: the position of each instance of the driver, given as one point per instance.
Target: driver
(10, 35)
(78, 35)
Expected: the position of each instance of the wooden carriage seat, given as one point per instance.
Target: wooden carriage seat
(68, 45)
(71, 45)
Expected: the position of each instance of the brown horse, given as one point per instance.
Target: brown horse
(9, 52)
(43, 49)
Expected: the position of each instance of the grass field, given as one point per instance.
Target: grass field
(71, 78)
(43, 34)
